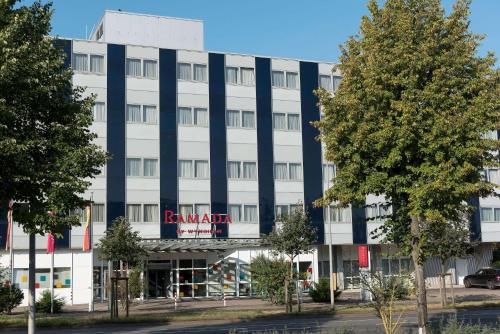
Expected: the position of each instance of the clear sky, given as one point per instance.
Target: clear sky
(303, 29)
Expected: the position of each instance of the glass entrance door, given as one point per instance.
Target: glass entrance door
(160, 284)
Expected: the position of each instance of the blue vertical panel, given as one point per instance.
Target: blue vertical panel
(475, 220)
(3, 224)
(265, 144)
(359, 230)
(217, 108)
(168, 139)
(311, 148)
(66, 45)
(115, 174)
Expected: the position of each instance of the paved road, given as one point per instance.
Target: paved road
(361, 323)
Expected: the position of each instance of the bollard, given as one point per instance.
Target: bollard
(175, 301)
(225, 303)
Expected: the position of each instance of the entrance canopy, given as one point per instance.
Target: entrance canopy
(198, 245)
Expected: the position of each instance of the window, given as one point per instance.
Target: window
(248, 119)
(281, 211)
(247, 76)
(149, 69)
(193, 116)
(62, 278)
(185, 168)
(489, 215)
(99, 112)
(133, 167)
(493, 175)
(490, 135)
(96, 64)
(233, 118)
(186, 209)
(249, 170)
(396, 266)
(291, 80)
(134, 213)
(98, 212)
(151, 213)
(201, 169)
(235, 212)
(278, 79)
(325, 82)
(250, 212)
(336, 82)
(149, 114)
(133, 113)
(280, 171)
(279, 121)
(293, 122)
(133, 67)
(295, 171)
(150, 167)
(184, 71)
(200, 117)
(80, 62)
(339, 215)
(295, 207)
(329, 172)
(200, 72)
(232, 75)
(378, 212)
(185, 117)
(233, 169)
(201, 209)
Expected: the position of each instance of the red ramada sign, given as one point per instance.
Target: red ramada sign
(215, 218)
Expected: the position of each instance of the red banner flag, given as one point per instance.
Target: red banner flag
(86, 238)
(9, 226)
(363, 256)
(51, 243)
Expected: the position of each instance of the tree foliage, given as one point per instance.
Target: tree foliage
(121, 243)
(47, 153)
(409, 116)
(269, 276)
(10, 298)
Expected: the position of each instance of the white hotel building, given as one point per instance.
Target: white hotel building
(194, 131)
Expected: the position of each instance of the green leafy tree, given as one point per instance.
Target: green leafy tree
(10, 298)
(269, 276)
(408, 120)
(295, 236)
(47, 153)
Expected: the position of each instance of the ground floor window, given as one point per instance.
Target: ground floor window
(62, 278)
(397, 266)
(351, 274)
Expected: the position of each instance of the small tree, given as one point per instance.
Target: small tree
(10, 297)
(269, 276)
(385, 292)
(121, 245)
(448, 241)
(295, 236)
(44, 303)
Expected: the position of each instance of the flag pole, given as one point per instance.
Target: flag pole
(52, 282)
(11, 239)
(91, 244)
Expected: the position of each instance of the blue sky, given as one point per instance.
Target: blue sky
(301, 29)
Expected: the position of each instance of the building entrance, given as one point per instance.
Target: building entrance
(160, 279)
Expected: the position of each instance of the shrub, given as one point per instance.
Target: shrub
(10, 297)
(453, 326)
(135, 283)
(320, 292)
(269, 276)
(43, 304)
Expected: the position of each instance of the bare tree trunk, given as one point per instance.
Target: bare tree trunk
(287, 305)
(419, 276)
(290, 294)
(443, 284)
(31, 285)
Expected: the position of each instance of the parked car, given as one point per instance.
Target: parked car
(488, 277)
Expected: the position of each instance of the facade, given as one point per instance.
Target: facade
(228, 135)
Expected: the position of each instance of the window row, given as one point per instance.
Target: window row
(142, 167)
(99, 112)
(240, 119)
(243, 213)
(286, 121)
(329, 172)
(491, 175)
(240, 76)
(242, 170)
(137, 113)
(284, 210)
(197, 169)
(88, 63)
(143, 213)
(97, 213)
(329, 82)
(334, 214)
(192, 116)
(146, 68)
(287, 171)
(397, 266)
(284, 79)
(490, 215)
(379, 211)
(192, 72)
